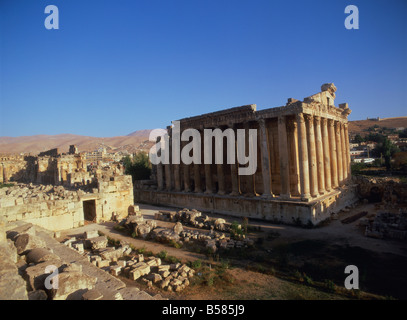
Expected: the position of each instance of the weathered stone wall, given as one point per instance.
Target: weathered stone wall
(56, 208)
(43, 206)
(12, 168)
(381, 190)
(115, 196)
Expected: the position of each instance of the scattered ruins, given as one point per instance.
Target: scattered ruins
(213, 240)
(61, 191)
(52, 192)
(122, 260)
(303, 170)
(31, 258)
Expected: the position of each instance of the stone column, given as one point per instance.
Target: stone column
(1, 173)
(312, 155)
(177, 177)
(326, 152)
(197, 176)
(160, 177)
(208, 178)
(283, 152)
(339, 152)
(5, 174)
(265, 159)
(168, 167)
(293, 154)
(250, 178)
(333, 152)
(320, 155)
(303, 157)
(344, 154)
(233, 167)
(185, 173)
(347, 149)
(221, 179)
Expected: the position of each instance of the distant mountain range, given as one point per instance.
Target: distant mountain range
(135, 141)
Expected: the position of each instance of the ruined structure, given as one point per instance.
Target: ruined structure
(61, 191)
(303, 169)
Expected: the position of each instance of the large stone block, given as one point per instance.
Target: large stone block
(26, 228)
(103, 263)
(26, 242)
(38, 255)
(98, 243)
(154, 277)
(115, 270)
(36, 275)
(178, 228)
(142, 267)
(112, 254)
(91, 234)
(72, 285)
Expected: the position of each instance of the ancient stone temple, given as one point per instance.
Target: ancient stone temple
(303, 169)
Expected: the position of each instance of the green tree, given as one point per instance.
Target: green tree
(403, 134)
(375, 137)
(358, 138)
(386, 149)
(139, 168)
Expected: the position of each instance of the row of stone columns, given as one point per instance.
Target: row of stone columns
(313, 158)
(324, 153)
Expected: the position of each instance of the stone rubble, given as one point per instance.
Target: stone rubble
(193, 218)
(147, 229)
(121, 261)
(29, 275)
(387, 225)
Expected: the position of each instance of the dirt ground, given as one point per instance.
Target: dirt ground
(320, 253)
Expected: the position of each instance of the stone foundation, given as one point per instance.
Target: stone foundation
(290, 212)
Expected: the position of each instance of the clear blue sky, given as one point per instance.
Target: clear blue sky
(114, 67)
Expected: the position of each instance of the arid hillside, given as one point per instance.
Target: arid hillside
(360, 126)
(137, 140)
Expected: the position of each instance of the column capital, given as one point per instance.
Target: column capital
(300, 117)
(324, 121)
(317, 119)
(308, 118)
(291, 125)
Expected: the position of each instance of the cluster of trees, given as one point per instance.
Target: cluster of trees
(403, 134)
(139, 167)
(374, 137)
(384, 149)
